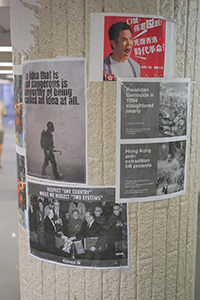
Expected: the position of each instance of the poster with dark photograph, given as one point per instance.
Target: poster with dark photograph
(76, 226)
(19, 139)
(152, 171)
(54, 95)
(21, 190)
(128, 45)
(171, 167)
(152, 138)
(153, 108)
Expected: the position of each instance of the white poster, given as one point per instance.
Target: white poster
(152, 138)
(54, 96)
(77, 226)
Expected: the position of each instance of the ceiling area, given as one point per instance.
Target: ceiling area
(6, 74)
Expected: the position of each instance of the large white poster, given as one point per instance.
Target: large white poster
(54, 95)
(152, 138)
(77, 226)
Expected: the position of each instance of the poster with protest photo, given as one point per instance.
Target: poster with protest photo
(152, 170)
(77, 226)
(54, 96)
(152, 138)
(21, 189)
(19, 139)
(128, 45)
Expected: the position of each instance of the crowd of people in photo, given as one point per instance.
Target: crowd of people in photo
(95, 230)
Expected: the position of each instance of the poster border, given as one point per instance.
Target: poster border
(97, 42)
(54, 60)
(31, 180)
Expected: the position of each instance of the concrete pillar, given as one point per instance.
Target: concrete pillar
(162, 233)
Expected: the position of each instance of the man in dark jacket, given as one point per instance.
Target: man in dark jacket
(114, 230)
(48, 146)
(90, 227)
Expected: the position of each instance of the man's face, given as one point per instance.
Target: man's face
(97, 211)
(57, 206)
(75, 215)
(116, 210)
(122, 50)
(51, 127)
(88, 217)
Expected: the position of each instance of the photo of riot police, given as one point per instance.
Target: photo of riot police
(79, 233)
(173, 109)
(171, 167)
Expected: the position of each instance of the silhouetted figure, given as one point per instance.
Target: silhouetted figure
(47, 145)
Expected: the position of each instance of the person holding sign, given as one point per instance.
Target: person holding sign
(119, 63)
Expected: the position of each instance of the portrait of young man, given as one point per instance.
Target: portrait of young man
(118, 62)
(127, 45)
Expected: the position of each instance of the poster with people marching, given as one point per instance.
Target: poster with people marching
(152, 138)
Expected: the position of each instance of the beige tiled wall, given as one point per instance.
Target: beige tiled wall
(162, 234)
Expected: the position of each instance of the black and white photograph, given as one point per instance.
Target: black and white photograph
(151, 171)
(171, 167)
(54, 95)
(76, 226)
(173, 109)
(153, 108)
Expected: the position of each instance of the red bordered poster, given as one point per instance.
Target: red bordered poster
(147, 47)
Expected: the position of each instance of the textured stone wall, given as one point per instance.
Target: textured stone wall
(162, 233)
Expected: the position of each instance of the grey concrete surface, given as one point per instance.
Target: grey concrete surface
(9, 262)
